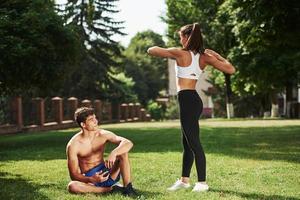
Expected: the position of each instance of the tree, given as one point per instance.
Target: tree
(100, 54)
(148, 73)
(260, 37)
(268, 46)
(36, 49)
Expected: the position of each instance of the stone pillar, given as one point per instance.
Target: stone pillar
(57, 109)
(130, 111)
(138, 111)
(148, 117)
(124, 111)
(86, 103)
(17, 111)
(72, 106)
(116, 111)
(143, 114)
(98, 109)
(109, 111)
(40, 110)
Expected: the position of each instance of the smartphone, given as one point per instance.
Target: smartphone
(105, 171)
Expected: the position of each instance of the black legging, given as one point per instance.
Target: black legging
(190, 109)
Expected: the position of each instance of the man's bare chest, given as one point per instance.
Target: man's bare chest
(88, 149)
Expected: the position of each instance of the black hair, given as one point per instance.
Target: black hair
(81, 114)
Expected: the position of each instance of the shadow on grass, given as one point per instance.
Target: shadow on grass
(142, 194)
(15, 187)
(223, 194)
(264, 143)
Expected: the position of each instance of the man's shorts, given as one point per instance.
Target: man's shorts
(109, 182)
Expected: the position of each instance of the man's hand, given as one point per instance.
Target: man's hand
(99, 177)
(110, 160)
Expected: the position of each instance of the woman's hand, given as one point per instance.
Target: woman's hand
(217, 61)
(210, 52)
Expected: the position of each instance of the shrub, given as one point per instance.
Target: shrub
(172, 111)
(155, 110)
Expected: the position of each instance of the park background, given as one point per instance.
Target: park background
(58, 55)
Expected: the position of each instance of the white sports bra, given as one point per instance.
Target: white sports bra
(192, 71)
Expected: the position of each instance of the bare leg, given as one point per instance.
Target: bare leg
(80, 187)
(115, 169)
(124, 164)
(185, 179)
(124, 168)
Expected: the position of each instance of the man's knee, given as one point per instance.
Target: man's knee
(74, 187)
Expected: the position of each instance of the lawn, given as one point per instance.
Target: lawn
(246, 159)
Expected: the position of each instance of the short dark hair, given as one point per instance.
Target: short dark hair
(195, 39)
(81, 114)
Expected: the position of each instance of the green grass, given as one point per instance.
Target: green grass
(246, 159)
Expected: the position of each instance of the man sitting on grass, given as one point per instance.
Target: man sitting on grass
(87, 168)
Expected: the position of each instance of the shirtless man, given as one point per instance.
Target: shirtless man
(89, 172)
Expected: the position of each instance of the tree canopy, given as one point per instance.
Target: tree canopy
(100, 55)
(36, 49)
(260, 37)
(148, 73)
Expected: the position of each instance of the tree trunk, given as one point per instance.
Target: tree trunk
(289, 99)
(229, 105)
(275, 107)
(266, 106)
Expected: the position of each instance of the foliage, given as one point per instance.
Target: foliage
(36, 49)
(155, 110)
(123, 91)
(172, 110)
(148, 72)
(259, 37)
(5, 115)
(184, 12)
(101, 55)
(268, 45)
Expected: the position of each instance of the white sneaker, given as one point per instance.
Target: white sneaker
(200, 187)
(179, 185)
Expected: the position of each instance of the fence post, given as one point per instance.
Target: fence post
(86, 103)
(124, 111)
(130, 111)
(143, 114)
(17, 111)
(73, 105)
(116, 111)
(138, 111)
(148, 117)
(57, 109)
(109, 111)
(40, 110)
(98, 109)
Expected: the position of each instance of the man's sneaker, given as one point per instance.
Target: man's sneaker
(117, 189)
(178, 185)
(200, 187)
(129, 191)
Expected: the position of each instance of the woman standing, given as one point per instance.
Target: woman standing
(191, 60)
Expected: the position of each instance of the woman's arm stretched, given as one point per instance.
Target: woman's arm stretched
(165, 52)
(217, 61)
